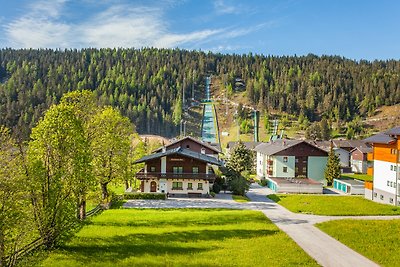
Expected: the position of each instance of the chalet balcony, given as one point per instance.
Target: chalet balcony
(170, 175)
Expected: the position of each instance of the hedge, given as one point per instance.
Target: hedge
(145, 196)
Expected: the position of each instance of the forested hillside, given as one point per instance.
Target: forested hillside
(146, 84)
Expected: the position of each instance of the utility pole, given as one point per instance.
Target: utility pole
(194, 71)
(183, 93)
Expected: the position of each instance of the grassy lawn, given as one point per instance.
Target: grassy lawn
(240, 198)
(184, 237)
(333, 205)
(363, 177)
(376, 240)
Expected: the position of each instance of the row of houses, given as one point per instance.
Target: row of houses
(352, 153)
(186, 166)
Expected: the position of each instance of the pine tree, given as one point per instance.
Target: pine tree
(332, 170)
(240, 161)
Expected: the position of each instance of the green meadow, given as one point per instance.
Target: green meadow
(333, 205)
(178, 237)
(376, 240)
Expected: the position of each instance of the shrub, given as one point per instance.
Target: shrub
(212, 194)
(262, 182)
(161, 196)
(216, 188)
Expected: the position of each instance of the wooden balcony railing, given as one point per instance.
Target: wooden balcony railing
(170, 175)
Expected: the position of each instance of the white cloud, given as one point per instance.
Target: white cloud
(119, 25)
(222, 7)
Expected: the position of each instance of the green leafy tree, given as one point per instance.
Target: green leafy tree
(332, 170)
(14, 219)
(83, 104)
(136, 151)
(58, 157)
(110, 144)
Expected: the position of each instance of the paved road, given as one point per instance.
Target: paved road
(326, 250)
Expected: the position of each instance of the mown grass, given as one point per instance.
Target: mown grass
(363, 177)
(376, 240)
(333, 205)
(238, 198)
(184, 237)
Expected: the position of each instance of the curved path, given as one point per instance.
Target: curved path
(326, 250)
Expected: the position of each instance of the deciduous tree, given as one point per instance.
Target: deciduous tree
(110, 144)
(58, 157)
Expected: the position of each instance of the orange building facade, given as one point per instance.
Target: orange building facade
(386, 166)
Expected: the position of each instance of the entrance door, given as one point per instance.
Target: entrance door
(301, 166)
(153, 186)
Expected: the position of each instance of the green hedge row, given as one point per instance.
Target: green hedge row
(145, 196)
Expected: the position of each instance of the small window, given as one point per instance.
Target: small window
(391, 200)
(195, 169)
(304, 169)
(177, 185)
(391, 167)
(285, 169)
(177, 169)
(152, 168)
(375, 195)
(285, 159)
(187, 146)
(391, 184)
(388, 183)
(203, 151)
(200, 186)
(381, 197)
(190, 186)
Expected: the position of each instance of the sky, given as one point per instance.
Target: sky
(355, 29)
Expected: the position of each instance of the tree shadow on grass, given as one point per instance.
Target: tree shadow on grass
(92, 250)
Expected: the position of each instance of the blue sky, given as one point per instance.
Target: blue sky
(354, 29)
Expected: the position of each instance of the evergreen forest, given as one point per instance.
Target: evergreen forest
(146, 84)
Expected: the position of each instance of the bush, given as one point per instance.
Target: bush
(161, 196)
(216, 188)
(262, 182)
(212, 194)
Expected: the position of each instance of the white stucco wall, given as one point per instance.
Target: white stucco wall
(383, 174)
(260, 165)
(167, 186)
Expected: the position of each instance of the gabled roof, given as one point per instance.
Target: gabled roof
(363, 149)
(339, 144)
(394, 131)
(183, 152)
(213, 148)
(248, 145)
(274, 147)
(380, 138)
